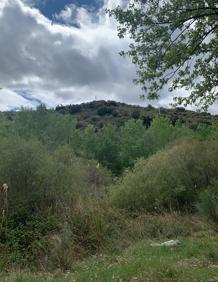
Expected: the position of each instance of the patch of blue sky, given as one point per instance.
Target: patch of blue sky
(51, 7)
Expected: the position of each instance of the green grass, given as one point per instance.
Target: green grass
(196, 259)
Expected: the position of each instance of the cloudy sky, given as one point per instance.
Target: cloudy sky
(63, 52)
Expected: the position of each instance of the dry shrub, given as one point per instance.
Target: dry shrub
(165, 226)
(88, 227)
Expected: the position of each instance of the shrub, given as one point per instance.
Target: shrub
(208, 203)
(43, 186)
(135, 114)
(88, 227)
(26, 237)
(170, 179)
(104, 111)
(166, 225)
(74, 109)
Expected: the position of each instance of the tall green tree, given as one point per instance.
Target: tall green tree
(174, 43)
(133, 142)
(49, 127)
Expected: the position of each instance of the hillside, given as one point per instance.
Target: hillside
(85, 204)
(100, 113)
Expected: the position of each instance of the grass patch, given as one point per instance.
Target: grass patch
(195, 259)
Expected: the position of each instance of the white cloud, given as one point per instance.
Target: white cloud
(11, 100)
(61, 64)
(68, 15)
(58, 63)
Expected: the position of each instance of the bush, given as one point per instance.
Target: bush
(36, 175)
(43, 186)
(74, 109)
(26, 237)
(163, 226)
(104, 111)
(169, 180)
(208, 203)
(87, 227)
(135, 114)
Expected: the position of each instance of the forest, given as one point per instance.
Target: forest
(74, 198)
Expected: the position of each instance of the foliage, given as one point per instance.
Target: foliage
(119, 113)
(43, 184)
(60, 205)
(175, 44)
(46, 126)
(133, 143)
(103, 146)
(104, 111)
(95, 229)
(115, 147)
(166, 226)
(119, 148)
(34, 174)
(208, 203)
(170, 179)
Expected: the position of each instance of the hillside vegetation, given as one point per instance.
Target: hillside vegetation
(100, 113)
(84, 203)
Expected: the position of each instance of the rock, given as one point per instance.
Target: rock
(171, 243)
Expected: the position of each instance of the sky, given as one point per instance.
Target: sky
(64, 52)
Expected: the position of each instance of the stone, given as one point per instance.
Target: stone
(171, 243)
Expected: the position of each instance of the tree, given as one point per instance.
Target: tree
(133, 142)
(175, 43)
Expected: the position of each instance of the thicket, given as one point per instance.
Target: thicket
(47, 189)
(169, 180)
(74, 191)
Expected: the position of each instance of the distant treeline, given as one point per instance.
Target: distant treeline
(115, 146)
(101, 113)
